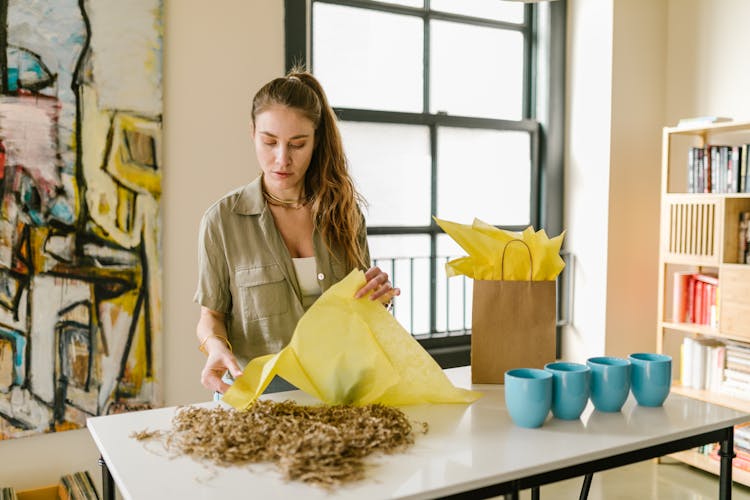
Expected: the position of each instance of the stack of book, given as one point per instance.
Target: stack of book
(741, 447)
(702, 363)
(718, 169)
(77, 486)
(736, 381)
(695, 298)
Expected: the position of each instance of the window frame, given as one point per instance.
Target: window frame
(544, 44)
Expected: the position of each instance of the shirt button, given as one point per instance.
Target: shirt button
(321, 276)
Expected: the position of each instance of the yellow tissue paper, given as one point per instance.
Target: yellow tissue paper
(350, 351)
(496, 254)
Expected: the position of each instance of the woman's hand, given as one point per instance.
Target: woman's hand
(220, 360)
(380, 286)
(212, 335)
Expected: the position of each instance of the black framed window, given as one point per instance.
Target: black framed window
(445, 109)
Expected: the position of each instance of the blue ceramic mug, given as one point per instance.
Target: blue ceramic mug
(651, 377)
(610, 382)
(528, 395)
(570, 388)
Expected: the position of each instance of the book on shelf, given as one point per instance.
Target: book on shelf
(737, 365)
(743, 239)
(7, 493)
(743, 160)
(738, 353)
(734, 161)
(739, 376)
(680, 301)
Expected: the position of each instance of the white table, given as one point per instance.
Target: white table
(470, 451)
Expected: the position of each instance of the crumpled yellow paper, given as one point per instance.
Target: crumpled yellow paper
(496, 254)
(350, 351)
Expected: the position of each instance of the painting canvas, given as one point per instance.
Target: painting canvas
(80, 179)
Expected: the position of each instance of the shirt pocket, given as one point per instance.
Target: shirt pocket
(263, 292)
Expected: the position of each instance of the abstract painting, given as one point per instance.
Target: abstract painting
(80, 187)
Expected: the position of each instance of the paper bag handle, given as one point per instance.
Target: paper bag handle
(502, 259)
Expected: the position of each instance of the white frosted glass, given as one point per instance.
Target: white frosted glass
(447, 247)
(488, 9)
(368, 59)
(398, 246)
(485, 174)
(453, 306)
(409, 271)
(390, 165)
(408, 3)
(476, 71)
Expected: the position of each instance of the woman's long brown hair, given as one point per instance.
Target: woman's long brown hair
(334, 199)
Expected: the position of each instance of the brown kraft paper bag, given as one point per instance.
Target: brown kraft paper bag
(513, 326)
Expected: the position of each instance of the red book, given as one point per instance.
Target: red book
(690, 308)
(698, 303)
(706, 303)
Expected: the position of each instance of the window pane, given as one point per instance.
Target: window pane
(406, 259)
(408, 3)
(484, 174)
(488, 9)
(390, 165)
(454, 293)
(476, 71)
(368, 59)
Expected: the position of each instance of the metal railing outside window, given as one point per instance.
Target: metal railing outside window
(450, 314)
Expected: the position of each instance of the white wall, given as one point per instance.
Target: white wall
(638, 88)
(707, 68)
(216, 55)
(589, 122)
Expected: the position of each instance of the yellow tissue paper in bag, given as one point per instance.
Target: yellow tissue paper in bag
(350, 351)
(497, 254)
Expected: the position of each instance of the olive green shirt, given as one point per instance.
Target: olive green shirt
(246, 272)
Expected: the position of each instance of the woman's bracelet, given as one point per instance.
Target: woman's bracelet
(202, 345)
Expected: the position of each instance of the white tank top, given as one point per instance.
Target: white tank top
(307, 278)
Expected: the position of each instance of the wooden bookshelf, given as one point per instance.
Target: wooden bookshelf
(699, 233)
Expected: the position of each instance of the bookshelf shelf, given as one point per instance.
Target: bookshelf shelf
(701, 237)
(713, 397)
(704, 330)
(711, 128)
(692, 328)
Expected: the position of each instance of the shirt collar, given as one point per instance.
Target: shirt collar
(250, 200)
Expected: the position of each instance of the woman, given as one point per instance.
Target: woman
(270, 248)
